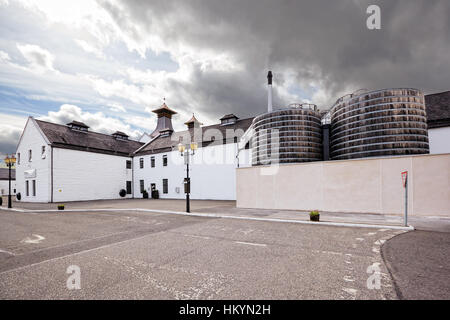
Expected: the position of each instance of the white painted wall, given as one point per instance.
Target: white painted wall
(4, 187)
(32, 139)
(439, 140)
(80, 175)
(212, 172)
(372, 185)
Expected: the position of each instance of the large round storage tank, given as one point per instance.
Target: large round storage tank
(287, 135)
(388, 122)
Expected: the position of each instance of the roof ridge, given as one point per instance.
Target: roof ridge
(63, 125)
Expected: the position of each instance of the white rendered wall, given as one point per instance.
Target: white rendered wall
(372, 185)
(4, 187)
(212, 172)
(439, 140)
(80, 175)
(32, 139)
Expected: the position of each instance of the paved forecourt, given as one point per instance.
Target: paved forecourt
(141, 255)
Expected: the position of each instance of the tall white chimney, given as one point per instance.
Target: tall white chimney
(269, 91)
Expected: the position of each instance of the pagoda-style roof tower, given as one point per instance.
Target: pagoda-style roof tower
(164, 114)
(193, 122)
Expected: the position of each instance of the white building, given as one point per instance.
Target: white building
(438, 114)
(59, 163)
(4, 181)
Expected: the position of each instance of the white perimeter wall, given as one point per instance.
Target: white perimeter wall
(439, 140)
(366, 185)
(212, 172)
(32, 139)
(4, 187)
(80, 175)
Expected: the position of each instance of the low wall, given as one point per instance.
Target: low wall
(361, 185)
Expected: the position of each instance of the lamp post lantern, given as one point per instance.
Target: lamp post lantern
(186, 152)
(10, 163)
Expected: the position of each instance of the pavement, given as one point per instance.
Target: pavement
(228, 208)
(142, 255)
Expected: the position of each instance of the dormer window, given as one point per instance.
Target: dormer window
(118, 135)
(228, 119)
(78, 126)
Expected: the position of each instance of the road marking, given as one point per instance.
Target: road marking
(78, 253)
(36, 240)
(371, 233)
(350, 291)
(348, 279)
(7, 252)
(252, 244)
(194, 236)
(360, 239)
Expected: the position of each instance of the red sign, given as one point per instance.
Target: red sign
(404, 178)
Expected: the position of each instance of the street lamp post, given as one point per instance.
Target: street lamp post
(10, 163)
(186, 152)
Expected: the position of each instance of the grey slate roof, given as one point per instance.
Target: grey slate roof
(4, 174)
(62, 136)
(166, 144)
(438, 109)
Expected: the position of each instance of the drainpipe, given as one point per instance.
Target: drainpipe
(51, 173)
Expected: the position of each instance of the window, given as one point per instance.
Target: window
(34, 188)
(141, 182)
(18, 158)
(128, 187)
(152, 162)
(128, 164)
(165, 161)
(43, 152)
(30, 155)
(165, 186)
(27, 188)
(141, 163)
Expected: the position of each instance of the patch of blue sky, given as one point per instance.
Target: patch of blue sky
(14, 101)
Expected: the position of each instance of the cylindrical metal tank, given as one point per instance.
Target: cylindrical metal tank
(388, 122)
(287, 135)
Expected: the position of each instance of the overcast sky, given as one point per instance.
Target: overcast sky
(109, 63)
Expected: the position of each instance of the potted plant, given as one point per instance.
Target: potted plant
(18, 196)
(122, 193)
(60, 207)
(314, 215)
(145, 194)
(155, 194)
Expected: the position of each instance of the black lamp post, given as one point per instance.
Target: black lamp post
(187, 181)
(10, 163)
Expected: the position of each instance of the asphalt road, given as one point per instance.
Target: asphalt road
(419, 263)
(137, 255)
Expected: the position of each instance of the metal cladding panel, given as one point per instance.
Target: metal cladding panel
(287, 136)
(388, 122)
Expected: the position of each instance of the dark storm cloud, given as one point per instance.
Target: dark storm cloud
(324, 42)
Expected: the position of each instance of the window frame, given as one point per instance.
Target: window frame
(128, 164)
(165, 186)
(152, 162)
(165, 161)
(141, 163)
(128, 187)
(142, 185)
